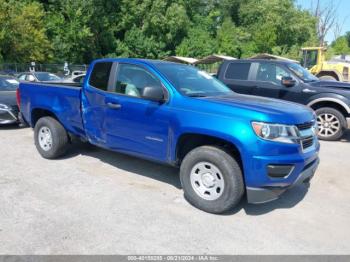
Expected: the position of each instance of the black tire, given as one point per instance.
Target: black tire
(328, 78)
(339, 116)
(231, 173)
(59, 138)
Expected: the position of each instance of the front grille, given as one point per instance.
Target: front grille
(307, 142)
(305, 126)
(307, 134)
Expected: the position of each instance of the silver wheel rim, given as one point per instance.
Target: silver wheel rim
(45, 138)
(328, 125)
(207, 181)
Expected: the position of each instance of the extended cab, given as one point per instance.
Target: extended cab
(290, 81)
(225, 144)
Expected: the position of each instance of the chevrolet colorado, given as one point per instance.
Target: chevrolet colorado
(226, 145)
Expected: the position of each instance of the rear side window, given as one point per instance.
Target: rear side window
(100, 75)
(238, 71)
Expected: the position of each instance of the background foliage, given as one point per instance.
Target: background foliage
(78, 31)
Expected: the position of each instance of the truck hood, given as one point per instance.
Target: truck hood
(331, 84)
(8, 98)
(266, 109)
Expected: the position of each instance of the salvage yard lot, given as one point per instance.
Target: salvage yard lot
(99, 202)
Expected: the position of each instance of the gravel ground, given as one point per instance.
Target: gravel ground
(99, 202)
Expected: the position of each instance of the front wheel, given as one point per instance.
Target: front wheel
(211, 179)
(331, 124)
(51, 139)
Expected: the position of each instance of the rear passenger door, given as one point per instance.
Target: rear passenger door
(94, 105)
(237, 77)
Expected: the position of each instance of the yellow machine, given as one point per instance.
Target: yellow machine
(314, 59)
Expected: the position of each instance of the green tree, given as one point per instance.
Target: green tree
(198, 43)
(276, 25)
(347, 35)
(22, 32)
(151, 28)
(340, 46)
(231, 39)
(78, 31)
(68, 29)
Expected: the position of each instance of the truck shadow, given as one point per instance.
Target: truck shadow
(159, 172)
(10, 127)
(286, 201)
(346, 137)
(170, 175)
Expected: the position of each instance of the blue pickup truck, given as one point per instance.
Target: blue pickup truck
(227, 145)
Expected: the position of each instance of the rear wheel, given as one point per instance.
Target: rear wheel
(211, 179)
(51, 139)
(331, 124)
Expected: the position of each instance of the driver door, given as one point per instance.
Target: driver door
(269, 82)
(133, 124)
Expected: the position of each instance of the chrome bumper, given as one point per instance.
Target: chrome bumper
(348, 122)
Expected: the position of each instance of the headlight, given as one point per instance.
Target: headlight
(2, 106)
(277, 132)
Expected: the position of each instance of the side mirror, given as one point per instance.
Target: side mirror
(288, 81)
(153, 93)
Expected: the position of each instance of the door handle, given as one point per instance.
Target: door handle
(114, 106)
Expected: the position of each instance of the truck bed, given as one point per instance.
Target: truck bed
(64, 99)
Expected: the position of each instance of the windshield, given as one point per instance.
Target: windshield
(190, 81)
(47, 77)
(301, 72)
(8, 84)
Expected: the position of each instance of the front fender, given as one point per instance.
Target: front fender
(330, 97)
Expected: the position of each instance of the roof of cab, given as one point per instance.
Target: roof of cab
(276, 61)
(137, 60)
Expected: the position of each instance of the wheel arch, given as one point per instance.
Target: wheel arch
(332, 73)
(330, 102)
(188, 141)
(38, 113)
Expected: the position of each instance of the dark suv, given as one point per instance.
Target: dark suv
(290, 81)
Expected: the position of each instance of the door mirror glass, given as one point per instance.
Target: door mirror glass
(153, 93)
(288, 81)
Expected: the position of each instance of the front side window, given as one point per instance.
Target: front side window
(191, 81)
(132, 79)
(44, 76)
(268, 72)
(238, 71)
(79, 79)
(309, 58)
(22, 77)
(100, 75)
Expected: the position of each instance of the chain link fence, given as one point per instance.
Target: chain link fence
(59, 69)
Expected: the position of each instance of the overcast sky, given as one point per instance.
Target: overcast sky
(343, 13)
